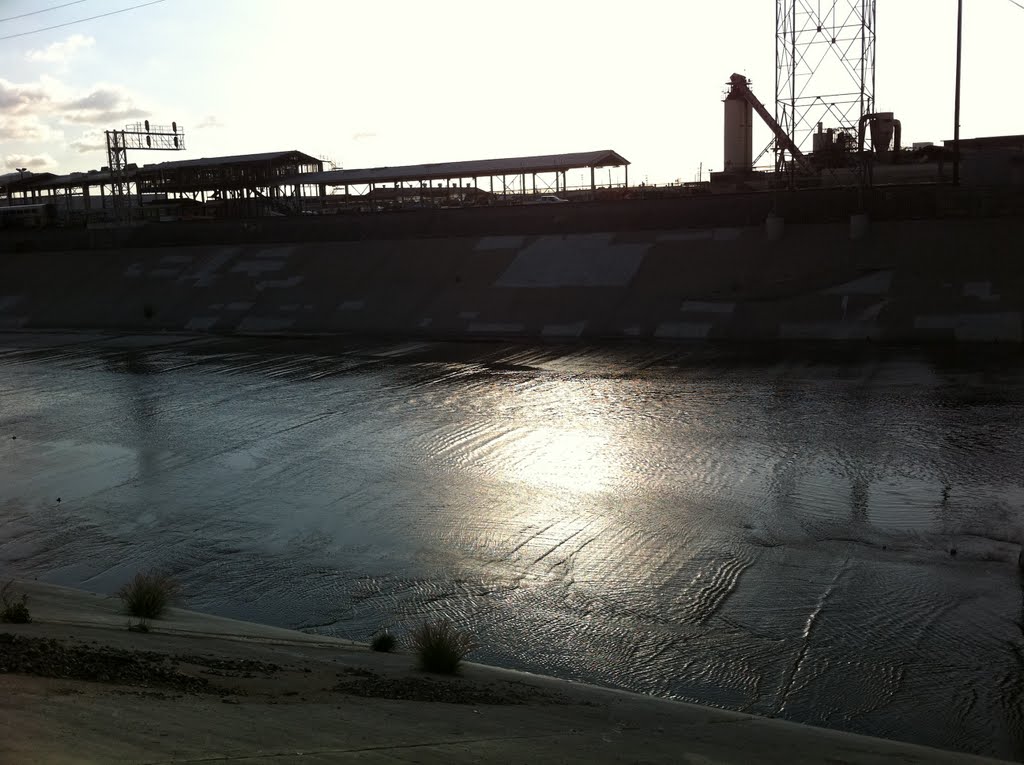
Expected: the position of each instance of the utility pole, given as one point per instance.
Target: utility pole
(21, 176)
(956, 107)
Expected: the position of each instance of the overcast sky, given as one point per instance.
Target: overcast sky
(375, 83)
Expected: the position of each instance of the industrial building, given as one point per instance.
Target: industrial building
(835, 138)
(294, 183)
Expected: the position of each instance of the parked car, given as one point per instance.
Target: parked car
(549, 199)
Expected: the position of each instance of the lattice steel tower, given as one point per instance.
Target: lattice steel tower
(824, 68)
(140, 135)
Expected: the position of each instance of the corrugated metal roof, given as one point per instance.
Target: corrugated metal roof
(238, 159)
(547, 163)
(79, 179)
(17, 181)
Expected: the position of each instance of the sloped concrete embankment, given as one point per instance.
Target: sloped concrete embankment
(916, 281)
(79, 687)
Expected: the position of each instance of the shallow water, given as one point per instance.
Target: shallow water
(768, 536)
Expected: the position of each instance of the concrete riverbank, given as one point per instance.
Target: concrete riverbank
(920, 281)
(199, 688)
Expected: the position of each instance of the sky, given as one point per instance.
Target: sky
(394, 82)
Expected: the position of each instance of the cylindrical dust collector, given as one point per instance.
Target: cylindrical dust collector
(739, 134)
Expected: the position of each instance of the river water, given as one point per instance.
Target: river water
(831, 540)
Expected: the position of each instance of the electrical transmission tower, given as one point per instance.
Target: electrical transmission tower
(140, 135)
(824, 68)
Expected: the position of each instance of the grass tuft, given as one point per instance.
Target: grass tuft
(15, 609)
(148, 595)
(383, 642)
(440, 646)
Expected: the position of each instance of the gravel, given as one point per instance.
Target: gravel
(359, 682)
(50, 658)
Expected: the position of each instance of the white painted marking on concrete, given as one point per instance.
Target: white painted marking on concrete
(205, 275)
(201, 323)
(980, 290)
(872, 311)
(935, 321)
(352, 305)
(134, 271)
(726, 234)
(497, 327)
(578, 260)
(7, 302)
(292, 281)
(697, 306)
(499, 243)
(684, 330)
(686, 236)
(827, 330)
(574, 329)
(240, 306)
(257, 324)
(877, 283)
(280, 253)
(976, 327)
(468, 315)
(257, 267)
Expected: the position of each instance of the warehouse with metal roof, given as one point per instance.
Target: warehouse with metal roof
(511, 172)
(291, 182)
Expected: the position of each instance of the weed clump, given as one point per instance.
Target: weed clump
(383, 642)
(15, 609)
(148, 595)
(440, 646)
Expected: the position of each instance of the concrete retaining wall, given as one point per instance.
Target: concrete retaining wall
(904, 281)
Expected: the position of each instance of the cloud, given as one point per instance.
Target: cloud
(209, 121)
(363, 136)
(105, 104)
(18, 98)
(61, 52)
(92, 140)
(28, 129)
(34, 162)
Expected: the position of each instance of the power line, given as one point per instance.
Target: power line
(79, 21)
(1017, 4)
(45, 10)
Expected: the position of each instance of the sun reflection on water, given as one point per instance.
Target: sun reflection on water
(576, 459)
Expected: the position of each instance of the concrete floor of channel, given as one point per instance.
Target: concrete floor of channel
(198, 688)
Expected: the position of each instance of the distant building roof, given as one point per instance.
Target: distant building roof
(990, 142)
(23, 181)
(240, 171)
(91, 178)
(547, 163)
(237, 159)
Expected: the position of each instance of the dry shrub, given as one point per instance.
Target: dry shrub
(440, 646)
(148, 595)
